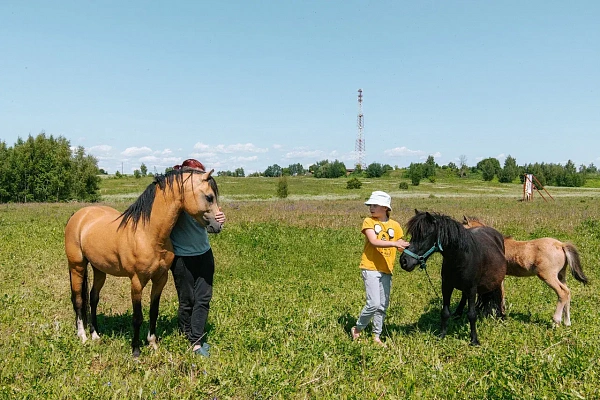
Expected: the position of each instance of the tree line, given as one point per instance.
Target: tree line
(46, 169)
(488, 169)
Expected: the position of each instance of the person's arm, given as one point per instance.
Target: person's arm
(372, 238)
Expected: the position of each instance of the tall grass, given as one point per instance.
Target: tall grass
(287, 290)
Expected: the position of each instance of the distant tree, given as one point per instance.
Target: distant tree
(358, 171)
(45, 169)
(510, 170)
(296, 169)
(489, 168)
(374, 170)
(429, 168)
(239, 172)
(282, 187)
(452, 166)
(273, 170)
(144, 169)
(326, 169)
(86, 183)
(463, 167)
(415, 173)
(137, 174)
(353, 183)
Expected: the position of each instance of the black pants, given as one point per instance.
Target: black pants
(193, 277)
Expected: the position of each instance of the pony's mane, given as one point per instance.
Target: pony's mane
(142, 207)
(450, 232)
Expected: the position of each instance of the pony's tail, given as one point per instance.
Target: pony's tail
(573, 259)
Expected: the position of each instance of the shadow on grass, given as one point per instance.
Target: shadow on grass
(115, 326)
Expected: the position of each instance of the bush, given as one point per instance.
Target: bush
(353, 183)
(282, 187)
(403, 185)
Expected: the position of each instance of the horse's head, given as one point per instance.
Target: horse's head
(200, 199)
(424, 241)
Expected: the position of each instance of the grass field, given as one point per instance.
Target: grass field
(288, 289)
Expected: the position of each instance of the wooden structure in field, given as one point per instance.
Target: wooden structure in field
(529, 186)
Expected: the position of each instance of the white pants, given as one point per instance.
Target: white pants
(377, 287)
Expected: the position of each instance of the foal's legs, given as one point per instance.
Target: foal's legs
(562, 277)
(79, 296)
(99, 279)
(563, 293)
(158, 284)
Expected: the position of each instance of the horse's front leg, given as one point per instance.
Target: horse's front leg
(446, 296)
(99, 279)
(472, 315)
(158, 284)
(138, 317)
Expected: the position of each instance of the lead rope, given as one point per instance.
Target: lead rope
(431, 284)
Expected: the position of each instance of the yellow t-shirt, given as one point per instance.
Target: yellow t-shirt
(380, 259)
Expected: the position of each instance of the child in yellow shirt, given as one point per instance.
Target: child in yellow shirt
(383, 237)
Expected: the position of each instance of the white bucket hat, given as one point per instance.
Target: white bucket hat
(381, 199)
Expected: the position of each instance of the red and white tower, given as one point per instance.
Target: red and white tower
(360, 140)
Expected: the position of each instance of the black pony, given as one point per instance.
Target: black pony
(473, 262)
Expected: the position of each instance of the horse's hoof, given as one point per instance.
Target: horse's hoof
(95, 336)
(136, 353)
(474, 343)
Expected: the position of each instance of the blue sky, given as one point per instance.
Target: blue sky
(251, 84)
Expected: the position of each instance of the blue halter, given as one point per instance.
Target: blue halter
(422, 260)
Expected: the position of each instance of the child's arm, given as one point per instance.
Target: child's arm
(372, 238)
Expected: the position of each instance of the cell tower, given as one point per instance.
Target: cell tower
(360, 140)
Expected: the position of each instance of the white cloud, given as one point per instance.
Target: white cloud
(305, 154)
(243, 159)
(164, 152)
(277, 146)
(403, 152)
(136, 151)
(103, 148)
(232, 148)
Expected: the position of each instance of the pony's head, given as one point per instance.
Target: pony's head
(431, 232)
(200, 197)
(422, 229)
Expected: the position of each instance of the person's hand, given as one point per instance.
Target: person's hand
(402, 244)
(220, 216)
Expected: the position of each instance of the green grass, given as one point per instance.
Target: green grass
(287, 290)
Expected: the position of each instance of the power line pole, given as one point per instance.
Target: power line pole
(359, 148)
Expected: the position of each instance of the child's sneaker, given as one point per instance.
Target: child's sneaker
(203, 350)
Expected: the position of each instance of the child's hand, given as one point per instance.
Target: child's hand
(402, 244)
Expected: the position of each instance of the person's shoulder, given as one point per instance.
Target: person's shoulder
(393, 221)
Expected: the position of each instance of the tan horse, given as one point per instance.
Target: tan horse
(547, 258)
(135, 244)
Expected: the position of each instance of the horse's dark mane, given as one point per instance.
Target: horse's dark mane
(450, 232)
(142, 207)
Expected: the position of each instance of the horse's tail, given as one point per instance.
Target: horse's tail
(573, 260)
